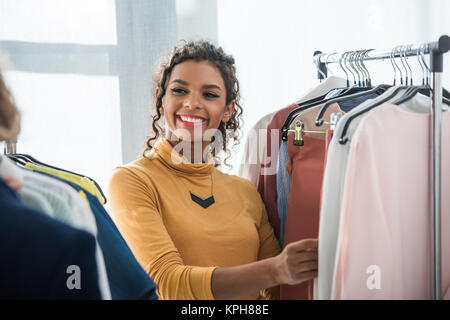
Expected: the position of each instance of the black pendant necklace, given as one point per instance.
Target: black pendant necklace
(204, 202)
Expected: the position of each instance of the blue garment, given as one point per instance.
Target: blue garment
(127, 279)
(348, 105)
(283, 188)
(36, 252)
(335, 92)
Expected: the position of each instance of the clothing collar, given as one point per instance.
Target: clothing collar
(177, 162)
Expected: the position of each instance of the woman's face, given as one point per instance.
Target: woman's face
(195, 101)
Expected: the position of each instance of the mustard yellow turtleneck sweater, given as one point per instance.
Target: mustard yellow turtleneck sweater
(178, 242)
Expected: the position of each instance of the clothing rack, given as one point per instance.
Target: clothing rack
(436, 51)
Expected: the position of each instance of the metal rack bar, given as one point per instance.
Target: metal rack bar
(438, 46)
(437, 66)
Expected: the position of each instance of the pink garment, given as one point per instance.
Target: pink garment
(384, 242)
(302, 221)
(251, 161)
(328, 138)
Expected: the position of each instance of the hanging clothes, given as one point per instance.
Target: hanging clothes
(302, 219)
(48, 248)
(254, 147)
(120, 275)
(331, 196)
(283, 187)
(284, 161)
(85, 182)
(384, 228)
(267, 180)
(127, 279)
(53, 190)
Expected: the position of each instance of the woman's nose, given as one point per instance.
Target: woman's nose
(192, 101)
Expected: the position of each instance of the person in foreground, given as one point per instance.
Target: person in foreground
(198, 232)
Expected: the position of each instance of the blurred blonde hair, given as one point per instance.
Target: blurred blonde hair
(9, 115)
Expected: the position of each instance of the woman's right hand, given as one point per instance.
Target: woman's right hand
(298, 262)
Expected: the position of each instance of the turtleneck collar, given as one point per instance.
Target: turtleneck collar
(177, 162)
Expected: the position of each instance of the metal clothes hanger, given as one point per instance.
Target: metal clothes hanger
(378, 90)
(304, 105)
(291, 116)
(343, 139)
(412, 91)
(351, 61)
(423, 89)
(343, 69)
(359, 58)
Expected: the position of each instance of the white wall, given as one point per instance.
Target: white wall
(273, 41)
(197, 19)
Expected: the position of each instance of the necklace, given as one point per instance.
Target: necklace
(204, 202)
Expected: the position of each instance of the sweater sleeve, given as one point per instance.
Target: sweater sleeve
(133, 205)
(269, 247)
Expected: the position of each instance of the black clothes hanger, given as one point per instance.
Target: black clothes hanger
(343, 139)
(445, 93)
(378, 90)
(29, 158)
(22, 157)
(364, 85)
(411, 92)
(16, 159)
(291, 116)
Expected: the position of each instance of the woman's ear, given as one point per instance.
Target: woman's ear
(157, 91)
(228, 111)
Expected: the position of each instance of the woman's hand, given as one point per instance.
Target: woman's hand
(295, 264)
(12, 182)
(298, 262)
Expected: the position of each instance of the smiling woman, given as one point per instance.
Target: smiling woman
(198, 232)
(191, 106)
(201, 83)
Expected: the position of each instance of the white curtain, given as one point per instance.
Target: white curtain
(81, 74)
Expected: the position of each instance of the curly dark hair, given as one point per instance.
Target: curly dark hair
(201, 51)
(7, 106)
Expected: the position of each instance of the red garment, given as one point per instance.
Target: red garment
(267, 183)
(302, 220)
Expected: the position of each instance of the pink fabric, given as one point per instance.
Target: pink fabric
(302, 221)
(328, 138)
(385, 215)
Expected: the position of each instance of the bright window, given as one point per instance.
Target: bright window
(58, 21)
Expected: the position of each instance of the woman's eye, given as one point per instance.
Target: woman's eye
(211, 95)
(178, 91)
